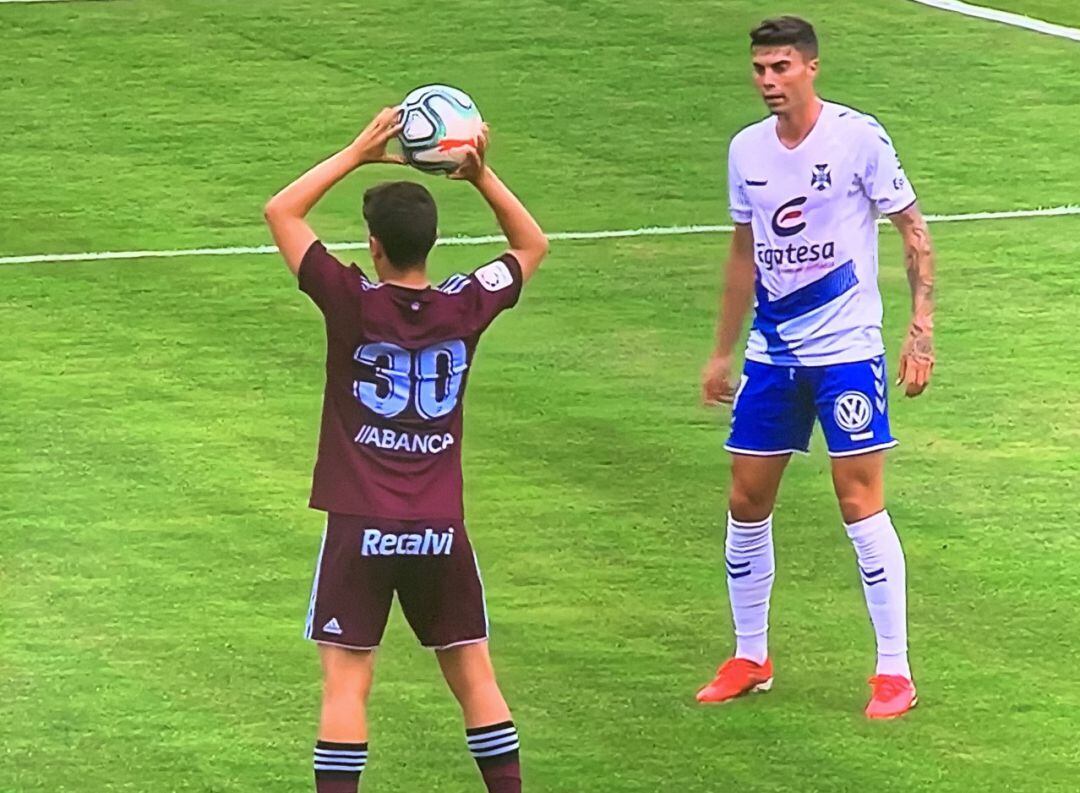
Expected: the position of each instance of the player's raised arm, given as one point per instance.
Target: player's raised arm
(527, 241)
(285, 213)
(735, 303)
(917, 354)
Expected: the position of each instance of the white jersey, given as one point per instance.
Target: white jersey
(813, 210)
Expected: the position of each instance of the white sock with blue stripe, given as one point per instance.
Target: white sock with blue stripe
(883, 574)
(751, 568)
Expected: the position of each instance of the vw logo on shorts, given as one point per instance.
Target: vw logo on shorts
(853, 411)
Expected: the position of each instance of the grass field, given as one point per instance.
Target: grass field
(159, 416)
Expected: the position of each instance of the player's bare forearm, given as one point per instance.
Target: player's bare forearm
(917, 355)
(527, 241)
(735, 303)
(738, 291)
(298, 198)
(918, 259)
(524, 235)
(285, 213)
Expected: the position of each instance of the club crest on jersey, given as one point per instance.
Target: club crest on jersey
(788, 221)
(852, 411)
(821, 178)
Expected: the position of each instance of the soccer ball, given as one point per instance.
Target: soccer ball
(439, 122)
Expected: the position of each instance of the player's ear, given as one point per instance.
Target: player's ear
(374, 248)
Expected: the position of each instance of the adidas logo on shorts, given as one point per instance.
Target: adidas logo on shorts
(430, 543)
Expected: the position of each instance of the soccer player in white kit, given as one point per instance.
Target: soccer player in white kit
(807, 186)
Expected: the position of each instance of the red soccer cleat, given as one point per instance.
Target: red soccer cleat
(894, 695)
(736, 677)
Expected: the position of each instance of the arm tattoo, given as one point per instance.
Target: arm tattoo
(919, 261)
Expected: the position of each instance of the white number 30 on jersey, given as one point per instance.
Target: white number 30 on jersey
(432, 377)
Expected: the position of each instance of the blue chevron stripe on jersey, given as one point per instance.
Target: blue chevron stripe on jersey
(769, 314)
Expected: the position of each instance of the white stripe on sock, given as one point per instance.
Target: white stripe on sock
(501, 741)
(483, 736)
(493, 752)
(339, 767)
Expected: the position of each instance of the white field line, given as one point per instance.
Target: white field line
(956, 6)
(1004, 17)
(648, 231)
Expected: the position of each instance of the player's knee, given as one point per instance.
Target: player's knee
(468, 680)
(346, 689)
(859, 505)
(476, 697)
(349, 680)
(473, 690)
(750, 504)
(859, 498)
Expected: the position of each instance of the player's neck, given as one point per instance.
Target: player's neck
(410, 279)
(419, 281)
(794, 127)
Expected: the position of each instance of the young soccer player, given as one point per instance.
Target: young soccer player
(807, 185)
(388, 472)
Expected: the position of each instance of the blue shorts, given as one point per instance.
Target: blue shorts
(775, 408)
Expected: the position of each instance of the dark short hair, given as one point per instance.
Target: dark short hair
(403, 217)
(786, 31)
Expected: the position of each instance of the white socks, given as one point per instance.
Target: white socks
(881, 567)
(748, 557)
(751, 568)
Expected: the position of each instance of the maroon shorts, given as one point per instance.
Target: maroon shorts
(431, 566)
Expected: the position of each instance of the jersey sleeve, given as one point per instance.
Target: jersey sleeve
(738, 200)
(328, 282)
(884, 180)
(494, 288)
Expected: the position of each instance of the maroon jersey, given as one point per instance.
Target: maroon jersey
(397, 362)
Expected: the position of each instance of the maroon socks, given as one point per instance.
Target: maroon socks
(338, 766)
(495, 750)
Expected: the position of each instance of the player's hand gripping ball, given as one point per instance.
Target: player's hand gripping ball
(439, 124)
